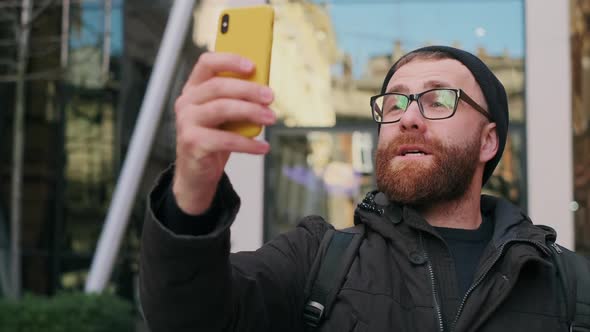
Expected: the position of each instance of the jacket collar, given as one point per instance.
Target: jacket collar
(513, 224)
(510, 222)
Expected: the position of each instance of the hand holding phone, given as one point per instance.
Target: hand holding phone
(247, 31)
(223, 104)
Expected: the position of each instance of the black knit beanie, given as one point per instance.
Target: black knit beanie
(492, 90)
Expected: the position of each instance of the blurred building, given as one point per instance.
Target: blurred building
(80, 114)
(304, 51)
(42, 169)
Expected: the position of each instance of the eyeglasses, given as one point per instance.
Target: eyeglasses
(434, 104)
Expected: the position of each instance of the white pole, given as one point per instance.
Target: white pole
(19, 146)
(549, 197)
(140, 147)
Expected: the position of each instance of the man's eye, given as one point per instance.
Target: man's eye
(440, 104)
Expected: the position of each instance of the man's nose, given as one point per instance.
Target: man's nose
(412, 119)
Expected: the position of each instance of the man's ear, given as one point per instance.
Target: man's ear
(489, 142)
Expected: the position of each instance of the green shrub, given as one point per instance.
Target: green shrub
(65, 312)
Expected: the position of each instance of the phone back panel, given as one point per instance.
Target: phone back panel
(249, 34)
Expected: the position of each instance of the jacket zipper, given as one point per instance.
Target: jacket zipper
(556, 247)
(434, 294)
(482, 277)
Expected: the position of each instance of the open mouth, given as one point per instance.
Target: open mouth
(412, 151)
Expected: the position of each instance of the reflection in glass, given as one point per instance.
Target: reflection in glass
(316, 172)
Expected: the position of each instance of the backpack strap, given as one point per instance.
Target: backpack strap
(328, 272)
(574, 275)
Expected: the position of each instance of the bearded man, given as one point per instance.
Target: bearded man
(435, 255)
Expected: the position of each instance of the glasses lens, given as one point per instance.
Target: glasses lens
(438, 104)
(389, 108)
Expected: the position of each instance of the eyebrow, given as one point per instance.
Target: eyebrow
(431, 84)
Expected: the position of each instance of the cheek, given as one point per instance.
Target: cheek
(453, 133)
(386, 135)
(464, 139)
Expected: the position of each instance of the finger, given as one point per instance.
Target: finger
(203, 141)
(223, 87)
(211, 64)
(219, 111)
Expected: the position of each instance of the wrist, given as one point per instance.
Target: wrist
(193, 202)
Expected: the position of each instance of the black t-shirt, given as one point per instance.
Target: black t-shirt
(466, 247)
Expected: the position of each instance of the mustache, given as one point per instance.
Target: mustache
(393, 145)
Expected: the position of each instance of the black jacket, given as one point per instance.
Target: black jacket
(403, 278)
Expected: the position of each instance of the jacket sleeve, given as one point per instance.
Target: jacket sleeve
(191, 282)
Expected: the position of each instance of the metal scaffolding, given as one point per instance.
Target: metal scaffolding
(18, 153)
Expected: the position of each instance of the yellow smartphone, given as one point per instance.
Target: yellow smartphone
(247, 31)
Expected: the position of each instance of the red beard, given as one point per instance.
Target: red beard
(444, 175)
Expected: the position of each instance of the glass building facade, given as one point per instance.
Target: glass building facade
(80, 116)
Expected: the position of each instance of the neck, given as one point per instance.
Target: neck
(464, 212)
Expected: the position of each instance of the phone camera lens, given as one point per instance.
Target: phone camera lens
(224, 23)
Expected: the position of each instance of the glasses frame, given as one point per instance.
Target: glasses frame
(460, 95)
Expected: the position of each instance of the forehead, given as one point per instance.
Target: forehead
(419, 74)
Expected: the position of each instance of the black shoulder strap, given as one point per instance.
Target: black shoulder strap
(328, 272)
(574, 274)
